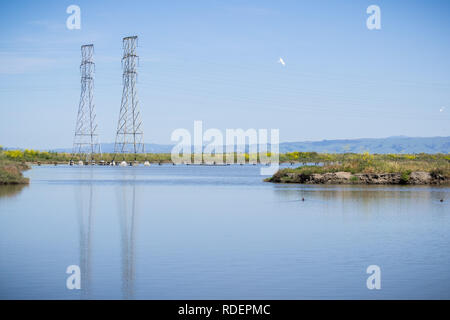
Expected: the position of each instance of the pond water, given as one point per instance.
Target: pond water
(206, 232)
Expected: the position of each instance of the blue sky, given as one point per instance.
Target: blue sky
(216, 61)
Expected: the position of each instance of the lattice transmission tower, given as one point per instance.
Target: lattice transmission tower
(86, 144)
(129, 137)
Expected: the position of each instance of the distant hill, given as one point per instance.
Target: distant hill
(400, 144)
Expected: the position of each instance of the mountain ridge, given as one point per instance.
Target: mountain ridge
(394, 144)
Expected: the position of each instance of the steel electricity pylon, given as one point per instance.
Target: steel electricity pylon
(129, 136)
(86, 144)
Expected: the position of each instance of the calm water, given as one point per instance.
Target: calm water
(193, 232)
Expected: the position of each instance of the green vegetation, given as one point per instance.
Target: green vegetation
(373, 163)
(11, 170)
(35, 156)
(369, 168)
(405, 175)
(312, 162)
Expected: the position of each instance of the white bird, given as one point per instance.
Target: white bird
(441, 109)
(123, 164)
(282, 61)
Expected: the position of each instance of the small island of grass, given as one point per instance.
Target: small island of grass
(11, 171)
(370, 169)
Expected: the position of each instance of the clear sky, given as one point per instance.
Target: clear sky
(217, 61)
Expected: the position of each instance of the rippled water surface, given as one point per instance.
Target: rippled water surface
(204, 232)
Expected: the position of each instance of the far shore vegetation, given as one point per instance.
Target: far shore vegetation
(12, 162)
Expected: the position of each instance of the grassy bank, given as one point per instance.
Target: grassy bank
(11, 172)
(369, 168)
(346, 161)
(14, 161)
(367, 163)
(46, 157)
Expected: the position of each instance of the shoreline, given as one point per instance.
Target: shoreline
(11, 173)
(341, 177)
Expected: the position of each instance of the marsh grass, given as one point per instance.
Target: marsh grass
(11, 172)
(437, 164)
(323, 162)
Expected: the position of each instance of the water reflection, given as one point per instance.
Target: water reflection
(126, 210)
(126, 196)
(84, 194)
(365, 194)
(11, 190)
(369, 200)
(226, 234)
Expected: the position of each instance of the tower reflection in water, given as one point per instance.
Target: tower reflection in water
(126, 197)
(84, 194)
(125, 193)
